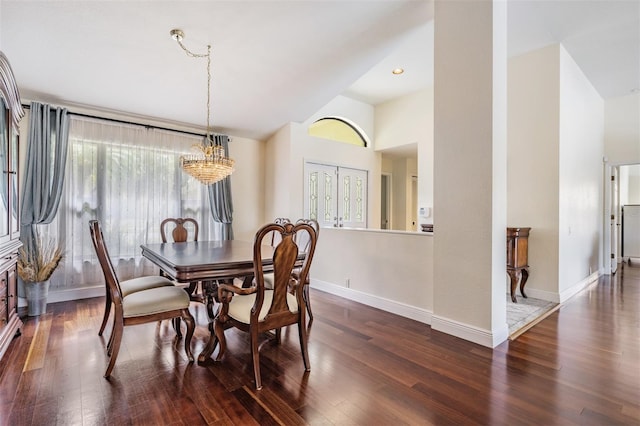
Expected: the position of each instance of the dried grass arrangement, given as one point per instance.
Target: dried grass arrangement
(37, 264)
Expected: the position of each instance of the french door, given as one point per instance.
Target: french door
(335, 196)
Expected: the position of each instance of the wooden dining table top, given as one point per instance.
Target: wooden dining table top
(206, 260)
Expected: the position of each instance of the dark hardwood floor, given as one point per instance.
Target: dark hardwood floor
(578, 366)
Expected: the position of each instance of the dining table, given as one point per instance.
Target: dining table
(210, 262)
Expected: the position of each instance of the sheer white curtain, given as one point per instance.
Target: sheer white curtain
(129, 178)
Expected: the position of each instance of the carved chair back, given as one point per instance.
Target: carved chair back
(180, 233)
(110, 277)
(275, 236)
(285, 258)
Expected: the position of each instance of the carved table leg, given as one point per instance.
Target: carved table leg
(210, 289)
(210, 346)
(525, 276)
(514, 275)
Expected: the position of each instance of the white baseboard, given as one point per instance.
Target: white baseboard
(542, 295)
(463, 331)
(473, 334)
(566, 294)
(398, 308)
(577, 288)
(70, 294)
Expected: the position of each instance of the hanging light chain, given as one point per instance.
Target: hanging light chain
(208, 56)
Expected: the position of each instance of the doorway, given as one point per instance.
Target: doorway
(385, 201)
(615, 219)
(414, 203)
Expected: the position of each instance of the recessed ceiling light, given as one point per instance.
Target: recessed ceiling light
(397, 71)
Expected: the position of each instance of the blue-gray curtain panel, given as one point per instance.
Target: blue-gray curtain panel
(220, 199)
(44, 168)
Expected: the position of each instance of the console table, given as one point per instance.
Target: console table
(517, 259)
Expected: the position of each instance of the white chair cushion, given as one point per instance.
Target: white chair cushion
(240, 306)
(143, 283)
(154, 300)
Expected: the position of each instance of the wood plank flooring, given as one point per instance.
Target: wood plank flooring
(368, 367)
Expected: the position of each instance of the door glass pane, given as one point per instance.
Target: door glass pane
(328, 199)
(346, 198)
(313, 196)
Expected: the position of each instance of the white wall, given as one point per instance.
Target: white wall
(391, 270)
(247, 186)
(622, 129)
(581, 191)
(277, 202)
(470, 170)
(555, 151)
(533, 162)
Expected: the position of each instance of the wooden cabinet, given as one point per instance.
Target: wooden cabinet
(11, 112)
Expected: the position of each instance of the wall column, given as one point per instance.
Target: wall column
(470, 170)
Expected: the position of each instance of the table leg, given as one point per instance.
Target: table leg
(525, 277)
(210, 346)
(514, 275)
(210, 289)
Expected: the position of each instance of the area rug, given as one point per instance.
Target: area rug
(526, 313)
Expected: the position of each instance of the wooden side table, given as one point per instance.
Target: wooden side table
(517, 259)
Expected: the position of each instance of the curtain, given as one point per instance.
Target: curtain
(129, 178)
(220, 199)
(44, 168)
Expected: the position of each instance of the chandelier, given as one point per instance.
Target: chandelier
(210, 164)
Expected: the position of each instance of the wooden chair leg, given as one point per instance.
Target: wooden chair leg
(107, 311)
(307, 300)
(302, 333)
(255, 357)
(176, 327)
(113, 334)
(115, 346)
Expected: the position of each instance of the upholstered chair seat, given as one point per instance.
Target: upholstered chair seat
(240, 306)
(132, 286)
(143, 283)
(152, 301)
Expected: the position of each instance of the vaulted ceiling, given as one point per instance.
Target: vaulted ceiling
(277, 61)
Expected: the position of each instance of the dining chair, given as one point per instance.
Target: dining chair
(180, 234)
(258, 309)
(303, 241)
(140, 307)
(132, 286)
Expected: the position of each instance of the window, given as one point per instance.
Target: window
(335, 196)
(338, 129)
(129, 178)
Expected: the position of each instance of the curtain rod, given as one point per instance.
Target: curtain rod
(115, 120)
